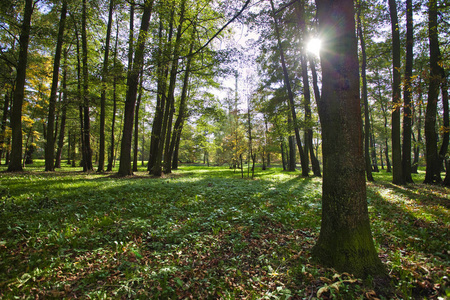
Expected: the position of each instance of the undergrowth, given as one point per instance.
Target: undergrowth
(206, 233)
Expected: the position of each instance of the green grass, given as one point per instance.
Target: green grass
(205, 233)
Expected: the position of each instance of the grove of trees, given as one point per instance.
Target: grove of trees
(158, 82)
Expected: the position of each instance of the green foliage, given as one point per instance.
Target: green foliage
(205, 233)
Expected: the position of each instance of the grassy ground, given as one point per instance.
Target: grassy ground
(206, 233)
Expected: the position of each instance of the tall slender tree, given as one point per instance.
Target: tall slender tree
(364, 94)
(397, 177)
(287, 84)
(132, 84)
(87, 163)
(433, 169)
(15, 163)
(50, 144)
(407, 95)
(63, 106)
(101, 151)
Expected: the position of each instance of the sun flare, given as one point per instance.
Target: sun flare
(314, 46)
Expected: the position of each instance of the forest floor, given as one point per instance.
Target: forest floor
(205, 233)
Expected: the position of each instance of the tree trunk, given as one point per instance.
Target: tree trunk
(182, 108)
(132, 83)
(170, 108)
(15, 163)
(433, 170)
(368, 163)
(291, 165)
(162, 72)
(397, 177)
(136, 126)
(161, 113)
(283, 156)
(113, 122)
(446, 126)
(407, 116)
(418, 142)
(287, 83)
(101, 151)
(3, 126)
(50, 144)
(300, 11)
(345, 242)
(87, 165)
(64, 104)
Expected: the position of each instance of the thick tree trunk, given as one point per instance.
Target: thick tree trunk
(345, 242)
(15, 163)
(101, 151)
(50, 144)
(397, 177)
(132, 83)
(407, 115)
(433, 170)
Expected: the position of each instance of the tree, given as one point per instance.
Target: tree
(368, 163)
(287, 83)
(433, 169)
(50, 145)
(345, 240)
(15, 163)
(397, 177)
(132, 83)
(87, 151)
(407, 95)
(101, 154)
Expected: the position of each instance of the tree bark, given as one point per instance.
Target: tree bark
(407, 95)
(433, 169)
(345, 242)
(15, 163)
(397, 177)
(132, 83)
